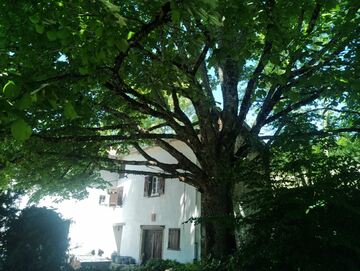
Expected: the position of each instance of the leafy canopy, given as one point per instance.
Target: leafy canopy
(81, 77)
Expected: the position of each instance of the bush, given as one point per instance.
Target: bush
(36, 241)
(309, 228)
(205, 265)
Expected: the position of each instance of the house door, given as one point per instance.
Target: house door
(151, 247)
(118, 229)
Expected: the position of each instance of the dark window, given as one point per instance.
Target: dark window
(154, 186)
(102, 199)
(174, 239)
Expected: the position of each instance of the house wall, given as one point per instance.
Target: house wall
(179, 203)
(93, 223)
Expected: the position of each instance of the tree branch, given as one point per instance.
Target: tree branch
(295, 106)
(80, 138)
(181, 158)
(314, 17)
(164, 166)
(250, 88)
(161, 18)
(200, 59)
(320, 133)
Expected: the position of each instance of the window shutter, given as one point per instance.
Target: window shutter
(161, 185)
(120, 192)
(113, 197)
(147, 190)
(174, 239)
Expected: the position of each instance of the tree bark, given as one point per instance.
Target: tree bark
(218, 226)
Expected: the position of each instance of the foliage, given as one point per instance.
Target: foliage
(163, 265)
(308, 218)
(8, 212)
(305, 228)
(36, 240)
(80, 77)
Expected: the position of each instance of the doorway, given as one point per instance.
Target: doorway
(151, 243)
(118, 229)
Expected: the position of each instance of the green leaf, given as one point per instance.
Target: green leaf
(53, 103)
(121, 21)
(175, 16)
(63, 34)
(35, 19)
(20, 130)
(24, 102)
(69, 111)
(10, 90)
(39, 28)
(84, 70)
(122, 45)
(130, 35)
(51, 35)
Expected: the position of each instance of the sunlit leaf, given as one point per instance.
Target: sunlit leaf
(20, 130)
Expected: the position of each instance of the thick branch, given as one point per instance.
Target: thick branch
(316, 133)
(170, 168)
(165, 166)
(80, 138)
(181, 158)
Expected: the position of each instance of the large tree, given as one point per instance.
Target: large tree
(81, 77)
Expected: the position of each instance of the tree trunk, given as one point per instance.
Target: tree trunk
(217, 212)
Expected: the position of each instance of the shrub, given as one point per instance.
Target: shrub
(309, 228)
(36, 241)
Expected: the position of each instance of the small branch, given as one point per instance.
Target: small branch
(142, 104)
(160, 125)
(295, 106)
(245, 105)
(200, 59)
(161, 18)
(300, 20)
(66, 76)
(314, 17)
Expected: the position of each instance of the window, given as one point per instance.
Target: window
(154, 186)
(102, 199)
(174, 239)
(116, 196)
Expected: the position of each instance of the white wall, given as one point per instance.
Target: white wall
(92, 226)
(174, 207)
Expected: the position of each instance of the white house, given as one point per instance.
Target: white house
(139, 216)
(151, 211)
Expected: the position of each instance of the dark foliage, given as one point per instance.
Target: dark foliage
(305, 228)
(36, 241)
(8, 211)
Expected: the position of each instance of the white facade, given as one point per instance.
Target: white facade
(166, 211)
(96, 225)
